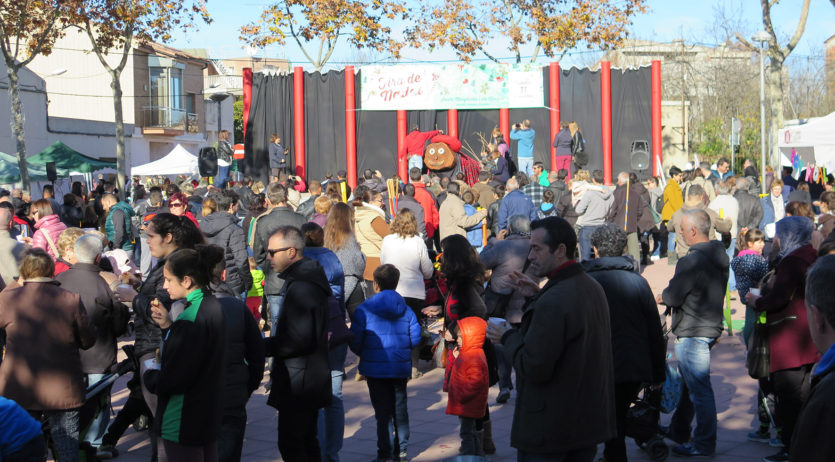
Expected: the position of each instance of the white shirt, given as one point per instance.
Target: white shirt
(779, 208)
(730, 210)
(408, 255)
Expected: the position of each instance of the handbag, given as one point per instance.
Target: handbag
(758, 359)
(671, 392)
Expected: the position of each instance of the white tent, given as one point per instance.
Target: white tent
(813, 141)
(178, 161)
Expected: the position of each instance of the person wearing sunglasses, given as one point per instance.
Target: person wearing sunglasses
(178, 205)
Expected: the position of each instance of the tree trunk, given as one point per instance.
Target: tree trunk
(17, 124)
(121, 165)
(774, 110)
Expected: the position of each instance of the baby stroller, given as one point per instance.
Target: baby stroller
(642, 424)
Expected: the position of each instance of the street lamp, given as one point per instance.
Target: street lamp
(761, 38)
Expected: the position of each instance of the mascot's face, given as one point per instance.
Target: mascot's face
(439, 156)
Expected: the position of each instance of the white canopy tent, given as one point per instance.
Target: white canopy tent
(813, 141)
(178, 161)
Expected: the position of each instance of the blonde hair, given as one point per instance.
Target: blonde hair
(573, 127)
(322, 205)
(404, 224)
(258, 187)
(209, 207)
(582, 175)
(67, 239)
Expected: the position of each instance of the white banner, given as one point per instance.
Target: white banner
(452, 86)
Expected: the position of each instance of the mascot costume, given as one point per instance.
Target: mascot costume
(443, 157)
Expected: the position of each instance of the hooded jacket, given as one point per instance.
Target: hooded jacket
(696, 292)
(49, 224)
(118, 226)
(300, 346)
(638, 346)
(221, 229)
(469, 377)
(384, 332)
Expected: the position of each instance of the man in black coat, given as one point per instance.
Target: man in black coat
(265, 225)
(109, 316)
(637, 340)
(300, 373)
(750, 210)
(221, 229)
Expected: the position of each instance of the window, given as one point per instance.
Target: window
(167, 101)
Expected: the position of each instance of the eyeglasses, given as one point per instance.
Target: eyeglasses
(272, 252)
(176, 204)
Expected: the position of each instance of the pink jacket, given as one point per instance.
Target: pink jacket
(49, 224)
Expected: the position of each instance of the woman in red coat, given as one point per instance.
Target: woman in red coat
(792, 351)
(469, 382)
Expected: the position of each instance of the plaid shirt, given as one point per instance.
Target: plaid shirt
(534, 191)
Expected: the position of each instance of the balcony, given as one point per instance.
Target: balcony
(168, 121)
(228, 83)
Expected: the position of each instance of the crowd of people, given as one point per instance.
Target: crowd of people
(535, 277)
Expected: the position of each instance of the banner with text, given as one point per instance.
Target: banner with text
(451, 86)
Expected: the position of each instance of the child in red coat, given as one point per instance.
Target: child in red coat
(469, 381)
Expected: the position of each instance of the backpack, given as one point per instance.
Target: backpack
(511, 164)
(659, 204)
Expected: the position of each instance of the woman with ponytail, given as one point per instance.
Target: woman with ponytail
(166, 233)
(188, 378)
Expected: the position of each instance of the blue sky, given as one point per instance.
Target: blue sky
(666, 20)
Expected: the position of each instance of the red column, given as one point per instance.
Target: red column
(656, 117)
(402, 162)
(298, 119)
(606, 119)
(554, 112)
(452, 122)
(350, 127)
(504, 124)
(247, 87)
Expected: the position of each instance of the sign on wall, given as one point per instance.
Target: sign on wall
(451, 86)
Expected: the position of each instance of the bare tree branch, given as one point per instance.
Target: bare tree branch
(801, 25)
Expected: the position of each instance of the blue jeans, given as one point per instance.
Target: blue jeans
(731, 275)
(693, 355)
(332, 418)
(584, 237)
(505, 368)
(388, 397)
(95, 432)
(416, 161)
(671, 243)
(526, 165)
(274, 302)
(222, 176)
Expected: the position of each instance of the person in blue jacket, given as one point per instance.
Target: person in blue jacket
(524, 134)
(384, 332)
(332, 418)
(20, 434)
(515, 202)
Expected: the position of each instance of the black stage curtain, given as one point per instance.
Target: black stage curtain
(324, 123)
(631, 116)
(272, 111)
(580, 102)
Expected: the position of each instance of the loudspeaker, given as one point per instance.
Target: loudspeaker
(51, 173)
(639, 158)
(207, 162)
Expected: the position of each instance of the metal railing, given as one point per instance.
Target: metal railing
(168, 117)
(222, 82)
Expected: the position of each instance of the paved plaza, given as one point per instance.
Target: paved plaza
(434, 435)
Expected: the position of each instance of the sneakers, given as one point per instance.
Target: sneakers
(776, 443)
(689, 450)
(782, 456)
(106, 451)
(504, 395)
(403, 457)
(759, 436)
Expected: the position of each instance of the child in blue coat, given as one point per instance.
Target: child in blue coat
(385, 330)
